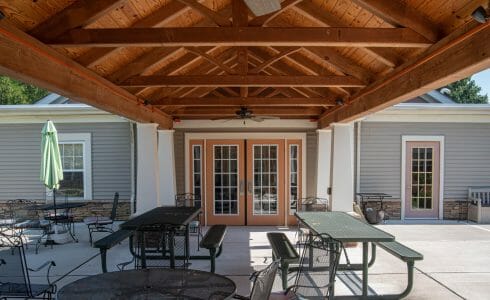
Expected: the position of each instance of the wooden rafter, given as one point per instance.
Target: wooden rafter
(308, 9)
(270, 61)
(457, 56)
(250, 101)
(26, 59)
(240, 19)
(207, 12)
(399, 13)
(79, 14)
(263, 20)
(238, 80)
(210, 59)
(242, 36)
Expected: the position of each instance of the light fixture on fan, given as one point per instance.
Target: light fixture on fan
(263, 7)
(480, 15)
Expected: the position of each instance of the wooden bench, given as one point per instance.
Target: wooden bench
(283, 250)
(108, 242)
(405, 254)
(213, 241)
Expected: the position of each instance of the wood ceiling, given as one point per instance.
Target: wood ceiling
(155, 60)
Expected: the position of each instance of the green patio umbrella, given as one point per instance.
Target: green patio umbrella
(51, 168)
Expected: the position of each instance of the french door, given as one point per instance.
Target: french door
(246, 182)
(422, 180)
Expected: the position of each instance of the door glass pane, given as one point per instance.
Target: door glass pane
(265, 179)
(422, 178)
(225, 179)
(293, 178)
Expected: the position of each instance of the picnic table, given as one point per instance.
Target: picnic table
(342, 227)
(163, 219)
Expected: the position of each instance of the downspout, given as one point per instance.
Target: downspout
(133, 179)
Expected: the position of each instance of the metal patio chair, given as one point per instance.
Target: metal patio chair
(189, 200)
(102, 223)
(311, 203)
(14, 273)
(316, 271)
(263, 282)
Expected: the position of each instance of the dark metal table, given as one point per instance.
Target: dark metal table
(164, 218)
(150, 284)
(67, 207)
(345, 228)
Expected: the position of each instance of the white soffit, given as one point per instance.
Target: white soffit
(266, 124)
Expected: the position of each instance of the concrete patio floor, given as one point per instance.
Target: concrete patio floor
(456, 263)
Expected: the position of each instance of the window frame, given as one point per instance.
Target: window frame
(86, 140)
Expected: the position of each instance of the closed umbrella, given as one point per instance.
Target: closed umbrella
(51, 168)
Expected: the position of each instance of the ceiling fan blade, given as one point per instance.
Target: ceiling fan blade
(257, 119)
(269, 117)
(223, 118)
(263, 7)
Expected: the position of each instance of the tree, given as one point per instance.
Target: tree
(467, 91)
(16, 92)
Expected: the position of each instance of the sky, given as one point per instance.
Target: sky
(483, 80)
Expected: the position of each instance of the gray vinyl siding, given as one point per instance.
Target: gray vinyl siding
(179, 154)
(20, 159)
(311, 163)
(467, 155)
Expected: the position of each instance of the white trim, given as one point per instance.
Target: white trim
(422, 138)
(266, 124)
(358, 159)
(58, 113)
(86, 140)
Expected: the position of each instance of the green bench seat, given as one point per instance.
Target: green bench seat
(108, 242)
(405, 254)
(283, 250)
(213, 241)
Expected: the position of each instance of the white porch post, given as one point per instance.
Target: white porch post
(167, 167)
(147, 163)
(342, 176)
(323, 163)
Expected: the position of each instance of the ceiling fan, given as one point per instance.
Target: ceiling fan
(246, 114)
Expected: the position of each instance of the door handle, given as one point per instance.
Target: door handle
(249, 187)
(241, 187)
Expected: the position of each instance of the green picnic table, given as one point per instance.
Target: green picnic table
(345, 228)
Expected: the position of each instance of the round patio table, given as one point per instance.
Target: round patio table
(150, 284)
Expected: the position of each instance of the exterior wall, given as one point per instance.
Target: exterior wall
(20, 156)
(311, 156)
(467, 152)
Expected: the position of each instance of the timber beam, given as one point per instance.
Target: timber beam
(241, 36)
(26, 59)
(250, 101)
(463, 53)
(239, 80)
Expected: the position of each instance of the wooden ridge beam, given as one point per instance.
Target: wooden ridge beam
(207, 12)
(457, 56)
(240, 19)
(242, 36)
(250, 101)
(398, 13)
(78, 14)
(263, 20)
(239, 80)
(24, 58)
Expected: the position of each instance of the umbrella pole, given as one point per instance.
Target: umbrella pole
(54, 204)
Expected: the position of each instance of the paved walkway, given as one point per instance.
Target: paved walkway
(456, 263)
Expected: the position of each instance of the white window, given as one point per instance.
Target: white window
(76, 158)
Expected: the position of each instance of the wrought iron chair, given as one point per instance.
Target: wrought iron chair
(317, 269)
(263, 282)
(14, 273)
(189, 200)
(311, 203)
(7, 219)
(102, 224)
